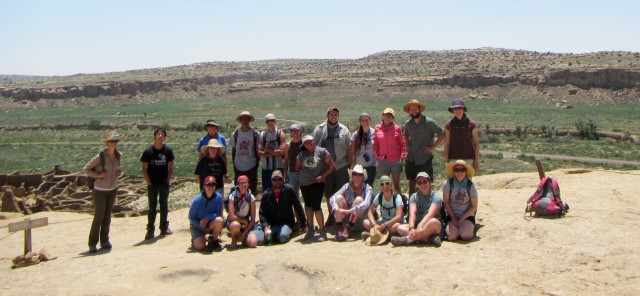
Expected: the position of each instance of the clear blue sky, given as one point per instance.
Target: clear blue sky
(63, 37)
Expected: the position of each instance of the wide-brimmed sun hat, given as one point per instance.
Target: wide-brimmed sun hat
(215, 144)
(113, 136)
(457, 104)
(210, 122)
(449, 168)
(376, 237)
(245, 114)
(414, 102)
(359, 170)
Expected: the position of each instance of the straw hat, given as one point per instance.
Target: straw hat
(245, 114)
(113, 136)
(376, 237)
(358, 169)
(414, 102)
(449, 168)
(215, 144)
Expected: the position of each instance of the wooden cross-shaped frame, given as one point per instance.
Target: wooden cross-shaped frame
(27, 225)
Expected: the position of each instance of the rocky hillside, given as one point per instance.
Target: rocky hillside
(616, 72)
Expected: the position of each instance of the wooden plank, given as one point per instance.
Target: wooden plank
(540, 168)
(28, 224)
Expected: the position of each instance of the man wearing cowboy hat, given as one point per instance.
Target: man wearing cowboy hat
(336, 138)
(419, 134)
(351, 202)
(244, 150)
(212, 133)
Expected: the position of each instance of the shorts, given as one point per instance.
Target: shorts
(470, 218)
(413, 169)
(196, 232)
(312, 195)
(386, 167)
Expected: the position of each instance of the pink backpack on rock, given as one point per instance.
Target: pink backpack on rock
(546, 201)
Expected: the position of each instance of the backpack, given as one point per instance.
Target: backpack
(256, 134)
(91, 181)
(443, 210)
(405, 203)
(546, 201)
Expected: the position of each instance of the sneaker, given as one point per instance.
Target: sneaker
(150, 234)
(166, 231)
(365, 235)
(93, 249)
(435, 240)
(323, 236)
(106, 245)
(309, 234)
(400, 241)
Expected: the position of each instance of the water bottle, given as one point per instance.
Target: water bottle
(269, 237)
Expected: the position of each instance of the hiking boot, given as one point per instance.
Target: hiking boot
(323, 236)
(150, 234)
(93, 249)
(106, 245)
(213, 244)
(166, 231)
(365, 235)
(435, 240)
(309, 234)
(400, 241)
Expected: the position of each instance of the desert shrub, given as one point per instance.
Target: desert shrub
(587, 130)
(94, 124)
(195, 126)
(518, 131)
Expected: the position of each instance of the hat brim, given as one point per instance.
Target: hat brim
(421, 106)
(449, 168)
(456, 106)
(383, 238)
(251, 117)
(106, 141)
(203, 150)
(364, 172)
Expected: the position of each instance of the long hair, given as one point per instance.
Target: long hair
(360, 135)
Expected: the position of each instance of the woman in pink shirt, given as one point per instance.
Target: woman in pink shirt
(389, 148)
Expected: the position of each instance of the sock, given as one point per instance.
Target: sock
(410, 240)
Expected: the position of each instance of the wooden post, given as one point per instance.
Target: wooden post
(540, 168)
(27, 225)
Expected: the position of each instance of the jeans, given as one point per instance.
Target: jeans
(103, 202)
(281, 234)
(157, 192)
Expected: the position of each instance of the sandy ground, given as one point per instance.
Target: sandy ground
(593, 250)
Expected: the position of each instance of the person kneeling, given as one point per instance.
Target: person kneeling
(391, 216)
(242, 215)
(277, 211)
(460, 200)
(424, 215)
(205, 216)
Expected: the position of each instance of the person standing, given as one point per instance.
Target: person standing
(212, 133)
(315, 164)
(361, 149)
(212, 164)
(157, 168)
(277, 211)
(291, 150)
(336, 138)
(105, 168)
(461, 137)
(389, 147)
(244, 150)
(271, 150)
(419, 134)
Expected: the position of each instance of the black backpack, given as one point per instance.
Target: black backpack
(405, 203)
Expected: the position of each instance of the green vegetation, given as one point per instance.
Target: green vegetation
(40, 150)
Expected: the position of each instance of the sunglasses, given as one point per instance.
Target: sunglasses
(422, 182)
(211, 185)
(270, 121)
(276, 179)
(385, 183)
(459, 170)
(358, 174)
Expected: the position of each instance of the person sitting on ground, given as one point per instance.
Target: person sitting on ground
(460, 200)
(205, 216)
(276, 211)
(390, 217)
(424, 215)
(350, 202)
(242, 215)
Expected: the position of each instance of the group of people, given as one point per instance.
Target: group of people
(330, 163)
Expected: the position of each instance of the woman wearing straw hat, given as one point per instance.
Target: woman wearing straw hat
(461, 137)
(212, 164)
(460, 200)
(105, 168)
